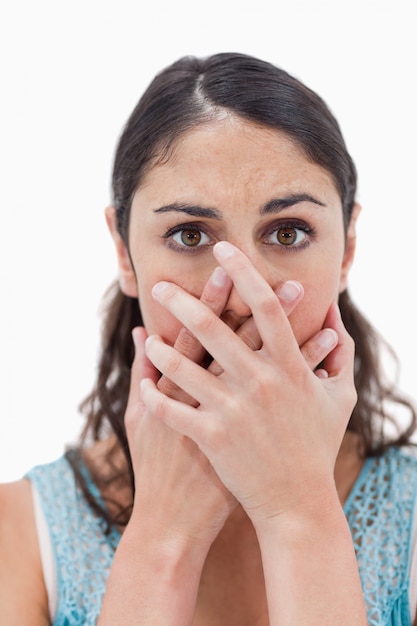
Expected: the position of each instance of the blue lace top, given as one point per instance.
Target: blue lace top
(379, 511)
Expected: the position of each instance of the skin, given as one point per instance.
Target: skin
(236, 553)
(235, 169)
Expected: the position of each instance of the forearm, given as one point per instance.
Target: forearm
(310, 568)
(153, 581)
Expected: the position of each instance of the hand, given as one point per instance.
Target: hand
(169, 469)
(214, 296)
(269, 426)
(147, 439)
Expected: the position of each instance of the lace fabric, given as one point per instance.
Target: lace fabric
(379, 511)
(83, 552)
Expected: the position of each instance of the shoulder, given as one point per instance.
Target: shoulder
(20, 563)
(17, 522)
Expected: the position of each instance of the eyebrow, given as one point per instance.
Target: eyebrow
(272, 206)
(191, 209)
(279, 204)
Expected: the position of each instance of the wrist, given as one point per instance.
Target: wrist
(154, 579)
(164, 547)
(320, 508)
(308, 554)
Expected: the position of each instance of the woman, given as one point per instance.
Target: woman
(236, 470)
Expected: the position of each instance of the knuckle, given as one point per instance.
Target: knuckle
(210, 299)
(166, 386)
(204, 322)
(213, 437)
(215, 368)
(173, 364)
(352, 397)
(160, 409)
(312, 355)
(186, 341)
(256, 386)
(269, 306)
(232, 405)
(261, 386)
(132, 417)
(250, 336)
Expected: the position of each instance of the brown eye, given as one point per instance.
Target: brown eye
(286, 236)
(290, 235)
(190, 238)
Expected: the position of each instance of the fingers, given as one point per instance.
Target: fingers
(166, 409)
(316, 349)
(195, 380)
(220, 341)
(321, 349)
(337, 366)
(214, 296)
(290, 294)
(254, 290)
(202, 327)
(344, 353)
(141, 368)
(269, 315)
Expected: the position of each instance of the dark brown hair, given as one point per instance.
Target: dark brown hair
(183, 96)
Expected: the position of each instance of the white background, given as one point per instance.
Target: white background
(70, 74)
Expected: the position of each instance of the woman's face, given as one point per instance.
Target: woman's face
(232, 180)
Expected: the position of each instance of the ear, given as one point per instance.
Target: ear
(349, 248)
(127, 278)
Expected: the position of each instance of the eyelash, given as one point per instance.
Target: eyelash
(308, 234)
(193, 227)
(196, 227)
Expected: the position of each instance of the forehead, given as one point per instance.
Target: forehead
(232, 159)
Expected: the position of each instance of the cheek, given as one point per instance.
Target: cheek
(157, 320)
(308, 317)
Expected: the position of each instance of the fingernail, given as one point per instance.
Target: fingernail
(135, 337)
(149, 340)
(159, 288)
(289, 291)
(327, 338)
(223, 250)
(219, 277)
(143, 384)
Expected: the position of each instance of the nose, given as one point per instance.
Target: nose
(236, 308)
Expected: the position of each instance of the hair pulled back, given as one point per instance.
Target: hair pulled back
(187, 94)
(194, 91)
